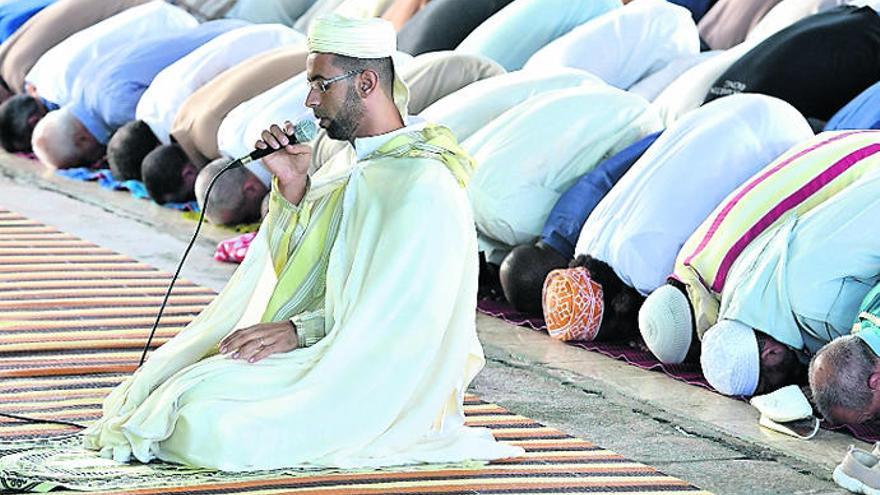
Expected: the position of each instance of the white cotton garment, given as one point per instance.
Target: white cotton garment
(688, 91)
(786, 13)
(385, 386)
(517, 31)
(641, 224)
(803, 280)
(530, 155)
(173, 85)
(467, 110)
(626, 44)
(55, 71)
(651, 86)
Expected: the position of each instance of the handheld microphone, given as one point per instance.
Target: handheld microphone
(303, 131)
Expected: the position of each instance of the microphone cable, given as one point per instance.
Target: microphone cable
(303, 131)
(233, 164)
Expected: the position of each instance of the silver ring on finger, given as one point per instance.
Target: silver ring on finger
(262, 343)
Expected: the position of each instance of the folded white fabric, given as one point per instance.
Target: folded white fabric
(784, 406)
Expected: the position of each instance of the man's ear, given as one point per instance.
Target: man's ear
(253, 188)
(773, 353)
(189, 172)
(367, 83)
(874, 381)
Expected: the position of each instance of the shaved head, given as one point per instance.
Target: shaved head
(61, 141)
(236, 196)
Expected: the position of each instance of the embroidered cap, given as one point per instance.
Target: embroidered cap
(572, 304)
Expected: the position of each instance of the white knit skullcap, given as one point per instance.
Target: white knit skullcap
(665, 323)
(730, 358)
(359, 38)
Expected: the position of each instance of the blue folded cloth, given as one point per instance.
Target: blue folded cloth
(105, 179)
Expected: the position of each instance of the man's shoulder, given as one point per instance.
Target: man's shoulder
(416, 167)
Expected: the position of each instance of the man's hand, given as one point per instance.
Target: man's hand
(258, 341)
(290, 164)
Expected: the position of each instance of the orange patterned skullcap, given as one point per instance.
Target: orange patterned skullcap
(572, 304)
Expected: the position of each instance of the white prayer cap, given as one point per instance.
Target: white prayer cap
(665, 323)
(359, 38)
(730, 359)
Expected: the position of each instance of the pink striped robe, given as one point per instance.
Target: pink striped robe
(798, 181)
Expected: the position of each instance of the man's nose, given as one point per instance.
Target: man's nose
(312, 99)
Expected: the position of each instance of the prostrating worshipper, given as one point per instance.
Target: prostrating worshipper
(14, 14)
(468, 110)
(728, 22)
(635, 41)
(444, 24)
(169, 171)
(531, 154)
(792, 290)
(106, 93)
(863, 112)
(238, 389)
(817, 64)
(523, 271)
(677, 316)
(523, 27)
(159, 104)
(630, 240)
(844, 375)
(52, 77)
(47, 28)
(401, 11)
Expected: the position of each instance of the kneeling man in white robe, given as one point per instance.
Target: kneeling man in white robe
(347, 337)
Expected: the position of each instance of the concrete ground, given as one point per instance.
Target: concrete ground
(712, 442)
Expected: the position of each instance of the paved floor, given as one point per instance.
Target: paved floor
(710, 441)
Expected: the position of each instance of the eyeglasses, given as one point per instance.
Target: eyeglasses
(323, 85)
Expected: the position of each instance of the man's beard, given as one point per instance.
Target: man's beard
(343, 126)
